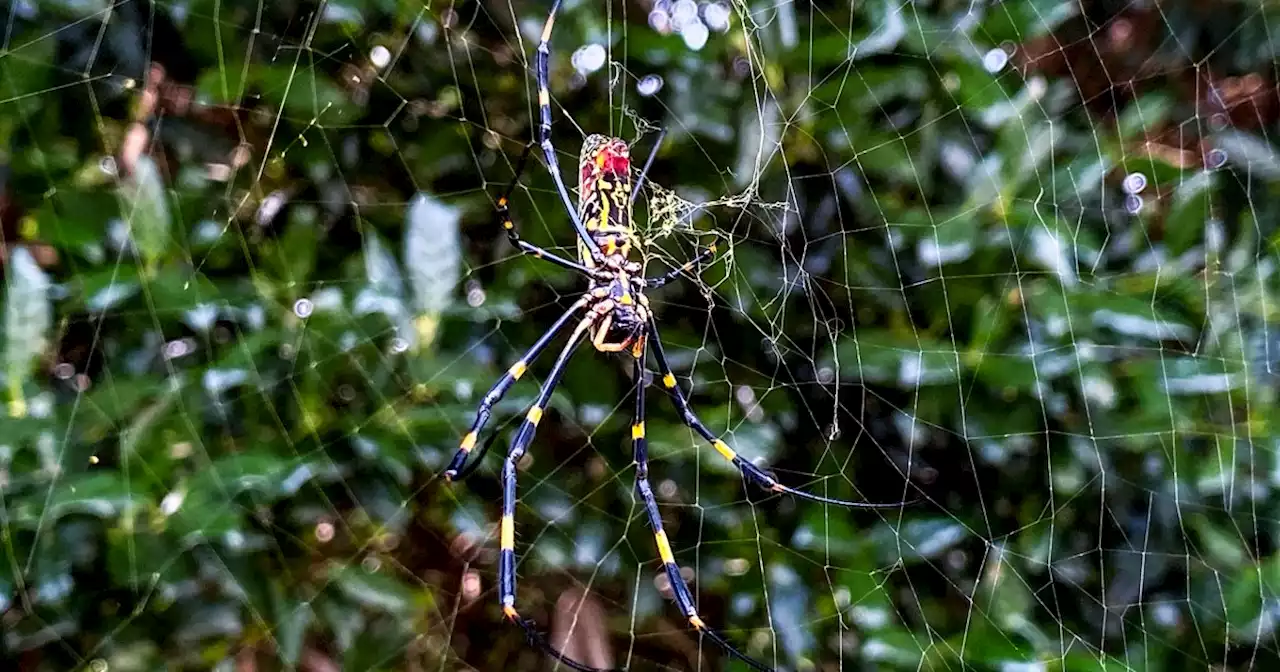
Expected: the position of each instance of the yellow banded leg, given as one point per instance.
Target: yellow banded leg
(679, 588)
(750, 471)
(640, 452)
(507, 536)
(513, 233)
(500, 388)
(542, 73)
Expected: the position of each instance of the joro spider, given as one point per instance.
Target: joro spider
(617, 319)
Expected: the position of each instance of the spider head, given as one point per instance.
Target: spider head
(603, 156)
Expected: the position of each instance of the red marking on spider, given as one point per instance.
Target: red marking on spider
(610, 159)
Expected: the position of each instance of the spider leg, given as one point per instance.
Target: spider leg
(674, 273)
(749, 471)
(683, 596)
(504, 215)
(653, 153)
(507, 556)
(500, 388)
(542, 68)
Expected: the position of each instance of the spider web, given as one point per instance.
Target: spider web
(1010, 259)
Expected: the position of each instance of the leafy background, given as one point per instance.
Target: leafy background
(253, 290)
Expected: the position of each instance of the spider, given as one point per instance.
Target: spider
(617, 318)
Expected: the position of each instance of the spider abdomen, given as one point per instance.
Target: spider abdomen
(604, 193)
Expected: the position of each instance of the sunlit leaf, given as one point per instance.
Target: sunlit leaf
(101, 495)
(432, 257)
(902, 360)
(1250, 152)
(376, 590)
(28, 316)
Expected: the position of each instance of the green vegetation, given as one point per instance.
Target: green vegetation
(1014, 259)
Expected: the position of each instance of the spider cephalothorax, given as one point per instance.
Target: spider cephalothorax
(616, 315)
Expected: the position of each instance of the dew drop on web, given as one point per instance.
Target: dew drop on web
(1134, 183)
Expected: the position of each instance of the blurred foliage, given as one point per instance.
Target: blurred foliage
(1014, 258)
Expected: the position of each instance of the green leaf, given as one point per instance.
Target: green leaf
(263, 472)
(1251, 594)
(81, 9)
(384, 293)
(1070, 313)
(918, 539)
(304, 92)
(178, 288)
(138, 560)
(1022, 20)
(27, 66)
(146, 210)
(1027, 145)
(377, 591)
(140, 424)
(890, 28)
(1181, 375)
(101, 495)
(1254, 155)
(1145, 115)
(99, 291)
(1052, 243)
(201, 517)
(75, 219)
(904, 360)
(293, 618)
(294, 254)
(791, 607)
(224, 85)
(1219, 549)
(1190, 209)
(1002, 591)
(896, 648)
